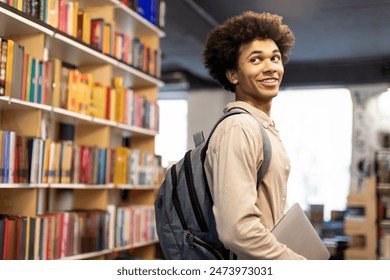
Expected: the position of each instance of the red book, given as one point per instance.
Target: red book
(97, 33)
(9, 239)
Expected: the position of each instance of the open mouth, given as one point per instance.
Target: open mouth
(269, 81)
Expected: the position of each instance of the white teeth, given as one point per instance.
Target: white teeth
(269, 81)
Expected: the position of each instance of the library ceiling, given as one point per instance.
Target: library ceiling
(342, 37)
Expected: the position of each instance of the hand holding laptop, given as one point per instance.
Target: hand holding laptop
(296, 231)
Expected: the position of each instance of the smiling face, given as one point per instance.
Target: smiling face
(259, 73)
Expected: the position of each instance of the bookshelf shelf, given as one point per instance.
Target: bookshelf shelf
(23, 186)
(141, 25)
(81, 186)
(68, 48)
(137, 245)
(88, 255)
(21, 25)
(136, 187)
(9, 103)
(66, 140)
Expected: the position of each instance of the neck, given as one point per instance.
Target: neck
(259, 104)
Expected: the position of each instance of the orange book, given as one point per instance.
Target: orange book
(107, 39)
(8, 67)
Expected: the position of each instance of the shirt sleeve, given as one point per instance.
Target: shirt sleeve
(233, 163)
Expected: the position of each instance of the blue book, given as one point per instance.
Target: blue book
(148, 10)
(102, 166)
(39, 78)
(6, 156)
(33, 80)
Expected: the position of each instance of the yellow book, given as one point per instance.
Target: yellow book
(112, 104)
(98, 104)
(107, 38)
(37, 238)
(120, 164)
(46, 160)
(74, 18)
(19, 5)
(56, 99)
(84, 90)
(9, 66)
(84, 27)
(120, 99)
(73, 83)
(52, 10)
(87, 29)
(57, 152)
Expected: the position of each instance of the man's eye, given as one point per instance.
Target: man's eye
(276, 58)
(255, 59)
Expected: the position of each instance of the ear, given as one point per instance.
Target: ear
(231, 76)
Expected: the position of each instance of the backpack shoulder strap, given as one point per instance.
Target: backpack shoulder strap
(267, 148)
(267, 154)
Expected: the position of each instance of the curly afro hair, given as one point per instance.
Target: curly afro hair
(223, 42)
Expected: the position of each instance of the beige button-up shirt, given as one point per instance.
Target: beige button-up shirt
(245, 216)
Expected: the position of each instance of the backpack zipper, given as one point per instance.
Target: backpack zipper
(192, 192)
(175, 198)
(192, 240)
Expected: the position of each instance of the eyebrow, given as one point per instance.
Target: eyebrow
(260, 52)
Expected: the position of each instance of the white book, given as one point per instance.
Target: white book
(12, 143)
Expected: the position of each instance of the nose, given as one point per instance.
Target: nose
(269, 66)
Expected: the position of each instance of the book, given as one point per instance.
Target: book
(6, 156)
(29, 78)
(24, 76)
(56, 86)
(84, 27)
(11, 152)
(3, 65)
(9, 239)
(97, 33)
(8, 67)
(98, 101)
(17, 71)
(1, 155)
(2, 233)
(52, 7)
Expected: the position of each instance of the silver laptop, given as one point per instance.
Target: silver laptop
(296, 231)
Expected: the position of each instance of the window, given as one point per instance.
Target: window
(171, 142)
(316, 129)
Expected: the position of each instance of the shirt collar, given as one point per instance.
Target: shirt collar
(265, 120)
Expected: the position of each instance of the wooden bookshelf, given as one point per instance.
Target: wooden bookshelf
(382, 157)
(362, 228)
(38, 120)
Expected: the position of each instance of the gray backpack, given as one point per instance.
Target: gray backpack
(183, 207)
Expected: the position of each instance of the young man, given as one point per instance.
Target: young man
(246, 55)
